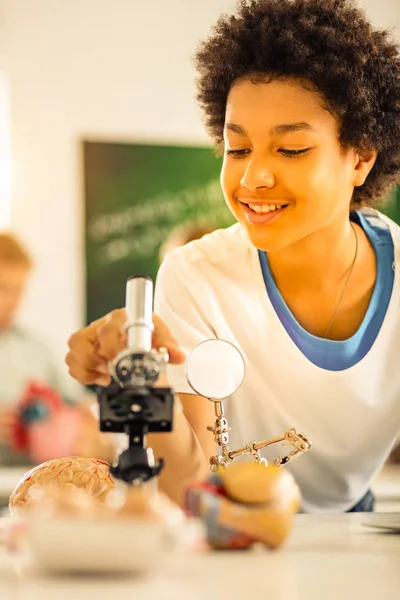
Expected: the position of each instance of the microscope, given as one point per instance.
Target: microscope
(131, 404)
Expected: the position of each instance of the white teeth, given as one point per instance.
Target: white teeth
(265, 208)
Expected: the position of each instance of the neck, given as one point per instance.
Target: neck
(320, 261)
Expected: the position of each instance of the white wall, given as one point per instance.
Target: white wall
(111, 69)
(5, 154)
(383, 13)
(117, 69)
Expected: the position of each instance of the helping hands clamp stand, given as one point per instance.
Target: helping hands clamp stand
(215, 369)
(130, 404)
(220, 429)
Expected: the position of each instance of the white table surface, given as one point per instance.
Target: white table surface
(326, 558)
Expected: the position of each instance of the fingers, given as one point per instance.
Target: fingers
(111, 336)
(87, 376)
(93, 347)
(84, 363)
(83, 350)
(162, 338)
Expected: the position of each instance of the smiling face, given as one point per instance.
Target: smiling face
(283, 157)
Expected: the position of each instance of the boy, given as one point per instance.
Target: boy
(303, 98)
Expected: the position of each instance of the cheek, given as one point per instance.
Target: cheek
(223, 179)
(331, 185)
(230, 179)
(314, 185)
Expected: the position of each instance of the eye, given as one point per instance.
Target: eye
(238, 153)
(293, 153)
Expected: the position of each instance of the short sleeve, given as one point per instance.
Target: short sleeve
(175, 302)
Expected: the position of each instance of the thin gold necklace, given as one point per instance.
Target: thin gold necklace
(345, 284)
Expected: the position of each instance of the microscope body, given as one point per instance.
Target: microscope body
(132, 404)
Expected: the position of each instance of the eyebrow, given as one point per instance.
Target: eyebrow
(275, 130)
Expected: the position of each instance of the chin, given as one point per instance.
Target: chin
(263, 238)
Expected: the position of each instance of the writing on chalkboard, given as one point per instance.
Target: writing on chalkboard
(139, 230)
(139, 198)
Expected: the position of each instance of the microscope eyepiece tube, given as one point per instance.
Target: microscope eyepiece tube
(139, 313)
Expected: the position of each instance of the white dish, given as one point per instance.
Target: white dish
(107, 546)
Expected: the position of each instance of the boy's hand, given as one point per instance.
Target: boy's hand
(91, 348)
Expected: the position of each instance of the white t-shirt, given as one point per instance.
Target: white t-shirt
(214, 288)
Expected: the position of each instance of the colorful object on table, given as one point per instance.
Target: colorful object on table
(203, 500)
(46, 427)
(244, 504)
(39, 401)
(72, 473)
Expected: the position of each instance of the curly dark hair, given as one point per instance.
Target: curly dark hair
(330, 46)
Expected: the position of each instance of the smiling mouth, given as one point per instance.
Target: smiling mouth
(262, 209)
(263, 214)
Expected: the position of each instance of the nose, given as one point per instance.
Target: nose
(257, 175)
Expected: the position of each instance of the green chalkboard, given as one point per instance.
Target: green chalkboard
(392, 205)
(136, 196)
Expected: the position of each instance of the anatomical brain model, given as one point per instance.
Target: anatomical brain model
(64, 475)
(84, 488)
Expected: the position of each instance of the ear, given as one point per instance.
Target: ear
(364, 161)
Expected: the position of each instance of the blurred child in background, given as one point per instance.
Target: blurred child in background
(32, 384)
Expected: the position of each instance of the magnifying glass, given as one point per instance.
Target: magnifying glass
(215, 369)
